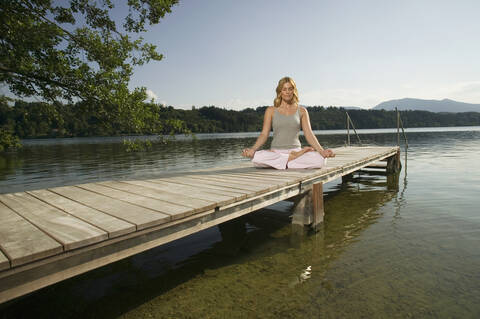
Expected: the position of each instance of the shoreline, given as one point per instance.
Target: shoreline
(182, 137)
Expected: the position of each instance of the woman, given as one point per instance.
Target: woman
(287, 117)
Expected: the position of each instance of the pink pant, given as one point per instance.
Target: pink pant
(279, 159)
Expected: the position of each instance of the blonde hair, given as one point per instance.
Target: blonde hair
(281, 83)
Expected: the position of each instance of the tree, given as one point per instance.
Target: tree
(74, 50)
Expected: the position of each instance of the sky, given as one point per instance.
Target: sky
(231, 53)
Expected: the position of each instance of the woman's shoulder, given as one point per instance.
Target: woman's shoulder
(270, 109)
(303, 110)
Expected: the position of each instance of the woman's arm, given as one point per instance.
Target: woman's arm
(262, 138)
(310, 137)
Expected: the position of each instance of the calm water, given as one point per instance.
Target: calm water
(397, 247)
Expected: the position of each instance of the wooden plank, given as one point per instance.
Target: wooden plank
(270, 171)
(163, 196)
(379, 165)
(175, 211)
(228, 182)
(262, 182)
(71, 232)
(265, 178)
(265, 183)
(139, 216)
(291, 175)
(192, 186)
(193, 192)
(276, 173)
(345, 159)
(223, 185)
(284, 179)
(112, 225)
(21, 241)
(4, 262)
(295, 172)
(201, 187)
(341, 164)
(196, 183)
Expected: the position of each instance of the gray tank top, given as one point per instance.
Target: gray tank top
(286, 129)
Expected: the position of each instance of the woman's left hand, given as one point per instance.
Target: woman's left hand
(248, 152)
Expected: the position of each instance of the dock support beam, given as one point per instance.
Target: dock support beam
(393, 163)
(308, 207)
(347, 178)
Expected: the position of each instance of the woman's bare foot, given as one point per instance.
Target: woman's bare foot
(296, 154)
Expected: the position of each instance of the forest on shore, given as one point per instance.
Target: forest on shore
(44, 120)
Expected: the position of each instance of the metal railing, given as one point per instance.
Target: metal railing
(400, 125)
(349, 121)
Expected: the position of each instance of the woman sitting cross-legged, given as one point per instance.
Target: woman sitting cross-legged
(287, 117)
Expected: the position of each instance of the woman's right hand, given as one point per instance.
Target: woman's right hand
(327, 153)
(248, 152)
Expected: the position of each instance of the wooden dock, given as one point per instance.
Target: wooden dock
(50, 235)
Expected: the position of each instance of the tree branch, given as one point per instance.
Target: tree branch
(67, 88)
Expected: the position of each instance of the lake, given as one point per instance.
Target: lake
(405, 246)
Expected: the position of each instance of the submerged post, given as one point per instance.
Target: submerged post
(393, 163)
(318, 209)
(308, 207)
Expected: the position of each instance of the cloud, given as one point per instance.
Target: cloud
(151, 95)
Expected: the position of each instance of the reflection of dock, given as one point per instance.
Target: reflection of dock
(49, 235)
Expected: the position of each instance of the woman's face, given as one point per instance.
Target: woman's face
(287, 92)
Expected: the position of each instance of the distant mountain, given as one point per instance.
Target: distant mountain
(444, 105)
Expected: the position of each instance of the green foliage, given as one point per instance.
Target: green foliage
(73, 51)
(136, 145)
(39, 119)
(65, 50)
(8, 141)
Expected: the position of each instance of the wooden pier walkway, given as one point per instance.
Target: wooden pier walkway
(50, 235)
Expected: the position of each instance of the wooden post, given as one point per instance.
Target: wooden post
(308, 208)
(318, 209)
(302, 209)
(393, 163)
(393, 181)
(347, 178)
